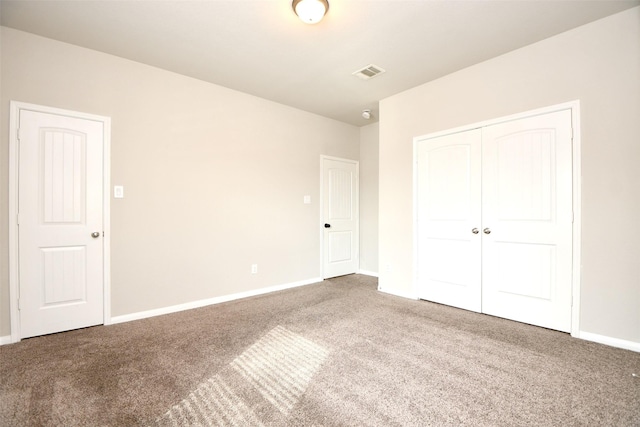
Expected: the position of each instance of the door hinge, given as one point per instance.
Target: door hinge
(19, 303)
(17, 219)
(18, 134)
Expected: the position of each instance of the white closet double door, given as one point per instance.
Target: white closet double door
(494, 220)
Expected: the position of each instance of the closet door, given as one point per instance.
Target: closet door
(448, 219)
(527, 220)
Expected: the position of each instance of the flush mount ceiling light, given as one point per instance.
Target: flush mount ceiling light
(310, 11)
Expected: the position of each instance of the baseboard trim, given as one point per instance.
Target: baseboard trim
(397, 293)
(368, 273)
(5, 340)
(613, 342)
(210, 301)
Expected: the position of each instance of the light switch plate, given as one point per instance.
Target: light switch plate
(118, 192)
(307, 200)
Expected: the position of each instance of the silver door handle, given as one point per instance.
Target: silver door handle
(95, 234)
(487, 230)
(475, 231)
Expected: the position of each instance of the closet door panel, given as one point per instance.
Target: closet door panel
(448, 209)
(527, 220)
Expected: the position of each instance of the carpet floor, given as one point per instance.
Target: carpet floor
(335, 353)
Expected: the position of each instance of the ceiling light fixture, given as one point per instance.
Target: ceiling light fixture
(310, 11)
(366, 114)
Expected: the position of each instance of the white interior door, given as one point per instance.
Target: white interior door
(527, 208)
(511, 183)
(340, 217)
(448, 220)
(60, 232)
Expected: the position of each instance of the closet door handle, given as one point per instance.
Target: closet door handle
(475, 231)
(487, 230)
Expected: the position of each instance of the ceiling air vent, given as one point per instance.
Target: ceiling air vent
(368, 72)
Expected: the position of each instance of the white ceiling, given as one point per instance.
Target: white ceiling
(261, 48)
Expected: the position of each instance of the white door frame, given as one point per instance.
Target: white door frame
(357, 243)
(574, 106)
(14, 285)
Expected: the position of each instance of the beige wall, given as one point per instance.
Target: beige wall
(214, 179)
(369, 197)
(599, 64)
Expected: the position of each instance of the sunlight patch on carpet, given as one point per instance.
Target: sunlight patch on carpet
(279, 367)
(213, 403)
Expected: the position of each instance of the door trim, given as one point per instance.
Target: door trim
(14, 285)
(574, 107)
(357, 243)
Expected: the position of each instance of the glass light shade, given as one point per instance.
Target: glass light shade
(310, 11)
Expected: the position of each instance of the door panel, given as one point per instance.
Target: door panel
(524, 175)
(526, 269)
(340, 212)
(62, 158)
(527, 205)
(340, 249)
(448, 210)
(64, 276)
(60, 205)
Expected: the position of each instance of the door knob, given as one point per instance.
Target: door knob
(95, 234)
(327, 226)
(487, 230)
(475, 231)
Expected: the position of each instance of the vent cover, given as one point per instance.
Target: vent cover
(368, 72)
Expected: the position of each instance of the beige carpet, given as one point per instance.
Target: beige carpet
(336, 353)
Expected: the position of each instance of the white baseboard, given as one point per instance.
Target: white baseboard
(368, 273)
(409, 295)
(5, 340)
(209, 301)
(613, 342)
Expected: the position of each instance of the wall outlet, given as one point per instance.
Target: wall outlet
(254, 268)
